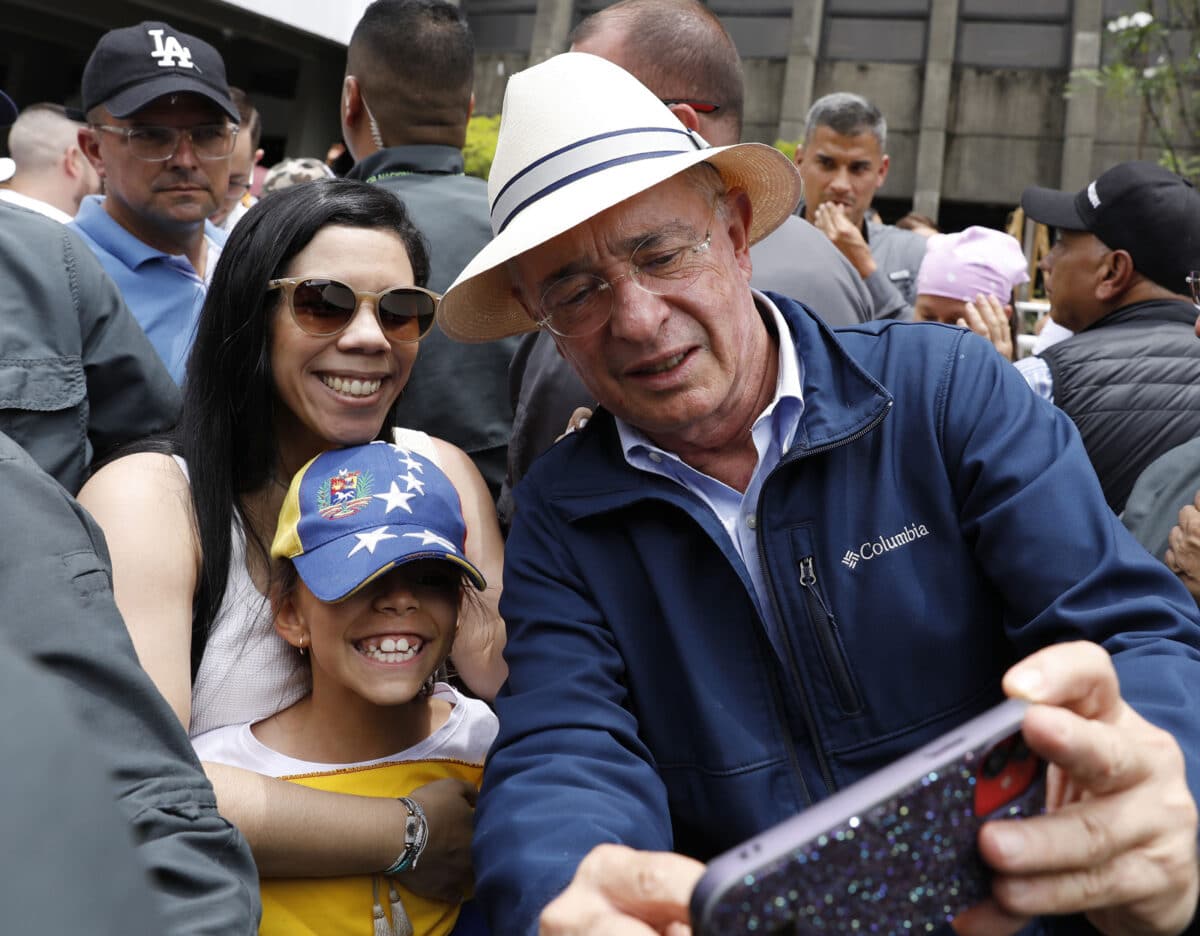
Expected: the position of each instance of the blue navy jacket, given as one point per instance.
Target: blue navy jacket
(933, 522)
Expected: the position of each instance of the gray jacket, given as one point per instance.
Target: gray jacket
(56, 800)
(898, 254)
(78, 376)
(56, 592)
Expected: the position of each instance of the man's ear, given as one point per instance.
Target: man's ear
(351, 105)
(1117, 276)
(686, 116)
(258, 155)
(798, 156)
(89, 144)
(884, 164)
(71, 159)
(739, 215)
(289, 622)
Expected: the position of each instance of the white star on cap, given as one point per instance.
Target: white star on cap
(414, 483)
(396, 500)
(429, 538)
(398, 449)
(369, 541)
(411, 463)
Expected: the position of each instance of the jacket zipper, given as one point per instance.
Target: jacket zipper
(810, 720)
(794, 672)
(826, 629)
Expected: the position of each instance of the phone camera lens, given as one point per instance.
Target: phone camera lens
(995, 762)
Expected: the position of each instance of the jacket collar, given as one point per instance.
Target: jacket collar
(587, 472)
(1159, 310)
(431, 159)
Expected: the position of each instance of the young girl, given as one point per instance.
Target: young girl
(371, 544)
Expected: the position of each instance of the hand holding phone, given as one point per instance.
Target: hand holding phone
(894, 853)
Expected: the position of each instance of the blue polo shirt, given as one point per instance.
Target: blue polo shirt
(163, 291)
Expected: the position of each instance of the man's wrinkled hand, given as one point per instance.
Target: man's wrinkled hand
(1118, 841)
(618, 891)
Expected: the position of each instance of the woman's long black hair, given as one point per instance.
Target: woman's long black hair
(226, 431)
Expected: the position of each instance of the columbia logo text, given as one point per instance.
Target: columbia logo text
(884, 544)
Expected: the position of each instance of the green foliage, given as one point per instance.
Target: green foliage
(788, 147)
(481, 145)
(1153, 60)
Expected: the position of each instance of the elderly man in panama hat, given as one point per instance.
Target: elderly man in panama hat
(778, 556)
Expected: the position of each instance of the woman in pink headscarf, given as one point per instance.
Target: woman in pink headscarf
(967, 279)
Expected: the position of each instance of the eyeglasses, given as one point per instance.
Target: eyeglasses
(323, 307)
(158, 144)
(700, 107)
(581, 303)
(1193, 280)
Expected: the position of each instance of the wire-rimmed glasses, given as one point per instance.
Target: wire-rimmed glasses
(662, 264)
(158, 144)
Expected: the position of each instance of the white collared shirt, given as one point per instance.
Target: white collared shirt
(772, 433)
(34, 204)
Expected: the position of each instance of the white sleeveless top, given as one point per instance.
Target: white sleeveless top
(248, 672)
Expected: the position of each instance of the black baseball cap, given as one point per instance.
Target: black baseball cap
(132, 66)
(1139, 207)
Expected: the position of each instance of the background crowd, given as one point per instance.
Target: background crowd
(392, 550)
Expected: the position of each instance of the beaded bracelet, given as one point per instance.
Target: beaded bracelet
(416, 836)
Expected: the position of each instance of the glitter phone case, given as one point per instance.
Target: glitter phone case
(893, 853)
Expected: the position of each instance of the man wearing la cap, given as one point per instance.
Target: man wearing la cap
(779, 557)
(1117, 277)
(161, 127)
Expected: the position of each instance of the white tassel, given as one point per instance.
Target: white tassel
(381, 925)
(401, 924)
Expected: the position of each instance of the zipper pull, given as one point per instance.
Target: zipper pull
(808, 577)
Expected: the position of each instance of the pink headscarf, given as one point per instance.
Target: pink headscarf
(977, 260)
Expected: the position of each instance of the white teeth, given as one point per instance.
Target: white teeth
(665, 365)
(350, 387)
(389, 650)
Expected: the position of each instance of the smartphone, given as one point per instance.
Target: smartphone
(893, 853)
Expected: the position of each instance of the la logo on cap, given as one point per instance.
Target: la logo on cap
(170, 53)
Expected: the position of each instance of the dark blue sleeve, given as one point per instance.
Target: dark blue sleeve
(567, 771)
(1068, 569)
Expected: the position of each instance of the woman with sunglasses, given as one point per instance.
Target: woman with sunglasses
(307, 337)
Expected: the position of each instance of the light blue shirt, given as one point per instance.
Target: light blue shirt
(163, 291)
(772, 433)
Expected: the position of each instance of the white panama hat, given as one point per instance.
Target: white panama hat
(578, 135)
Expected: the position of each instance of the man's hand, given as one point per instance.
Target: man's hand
(621, 892)
(830, 218)
(444, 871)
(988, 317)
(1183, 547)
(1119, 839)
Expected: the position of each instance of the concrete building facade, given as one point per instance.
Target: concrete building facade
(974, 90)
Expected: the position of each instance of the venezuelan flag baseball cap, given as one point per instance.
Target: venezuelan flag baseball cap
(353, 514)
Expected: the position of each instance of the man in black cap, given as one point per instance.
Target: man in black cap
(1117, 276)
(161, 128)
